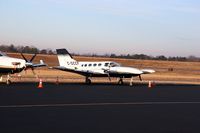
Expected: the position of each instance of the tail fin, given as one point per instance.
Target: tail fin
(65, 58)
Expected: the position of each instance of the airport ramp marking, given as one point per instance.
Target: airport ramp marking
(95, 104)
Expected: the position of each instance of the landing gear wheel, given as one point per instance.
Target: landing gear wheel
(8, 82)
(120, 82)
(88, 81)
(131, 81)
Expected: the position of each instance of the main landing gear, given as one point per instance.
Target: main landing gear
(120, 82)
(88, 80)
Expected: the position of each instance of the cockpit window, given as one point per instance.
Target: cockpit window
(1, 54)
(113, 64)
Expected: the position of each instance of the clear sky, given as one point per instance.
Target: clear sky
(152, 27)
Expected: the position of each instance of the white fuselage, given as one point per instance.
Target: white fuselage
(101, 68)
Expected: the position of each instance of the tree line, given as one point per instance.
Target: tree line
(32, 50)
(24, 49)
(160, 57)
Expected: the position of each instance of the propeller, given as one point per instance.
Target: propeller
(33, 57)
(29, 64)
(33, 71)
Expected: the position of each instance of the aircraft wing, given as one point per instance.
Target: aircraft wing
(114, 71)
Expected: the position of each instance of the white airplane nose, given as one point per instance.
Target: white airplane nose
(129, 70)
(135, 71)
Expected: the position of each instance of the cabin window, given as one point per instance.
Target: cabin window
(85, 65)
(99, 64)
(90, 65)
(82, 65)
(106, 64)
(94, 65)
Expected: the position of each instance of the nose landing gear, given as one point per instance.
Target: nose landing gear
(8, 81)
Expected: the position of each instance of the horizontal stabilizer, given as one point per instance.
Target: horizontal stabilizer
(41, 64)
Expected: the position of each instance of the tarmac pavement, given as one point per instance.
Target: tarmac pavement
(99, 108)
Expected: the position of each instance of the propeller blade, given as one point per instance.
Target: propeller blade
(24, 57)
(33, 57)
(140, 77)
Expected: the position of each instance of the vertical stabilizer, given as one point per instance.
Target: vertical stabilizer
(65, 58)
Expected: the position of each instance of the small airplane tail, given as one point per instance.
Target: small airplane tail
(65, 58)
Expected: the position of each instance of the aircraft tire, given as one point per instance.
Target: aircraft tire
(88, 81)
(120, 82)
(8, 82)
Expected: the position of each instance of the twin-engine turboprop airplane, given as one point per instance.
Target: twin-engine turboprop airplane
(9, 65)
(97, 69)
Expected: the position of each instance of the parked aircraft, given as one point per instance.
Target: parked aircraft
(9, 65)
(97, 69)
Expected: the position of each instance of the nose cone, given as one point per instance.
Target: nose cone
(135, 71)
